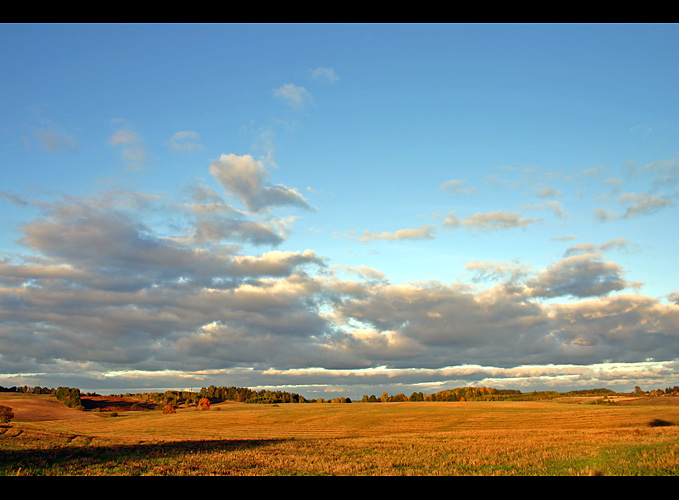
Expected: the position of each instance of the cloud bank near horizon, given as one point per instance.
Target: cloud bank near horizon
(106, 289)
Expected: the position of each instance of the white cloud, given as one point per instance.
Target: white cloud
(618, 243)
(418, 233)
(131, 146)
(488, 221)
(456, 186)
(247, 179)
(185, 141)
(326, 75)
(497, 270)
(294, 95)
(582, 275)
(55, 139)
(643, 204)
(553, 205)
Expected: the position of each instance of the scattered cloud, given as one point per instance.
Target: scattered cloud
(548, 192)
(294, 95)
(552, 205)
(615, 243)
(131, 146)
(325, 75)
(488, 221)
(54, 139)
(185, 141)
(497, 271)
(643, 204)
(418, 233)
(635, 205)
(456, 186)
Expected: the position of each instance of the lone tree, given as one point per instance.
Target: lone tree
(204, 403)
(6, 414)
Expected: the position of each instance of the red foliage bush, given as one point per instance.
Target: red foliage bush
(169, 409)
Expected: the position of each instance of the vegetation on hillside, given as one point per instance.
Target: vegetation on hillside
(202, 399)
(69, 396)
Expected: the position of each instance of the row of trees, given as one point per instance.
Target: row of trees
(27, 389)
(482, 394)
(245, 395)
(214, 394)
(458, 394)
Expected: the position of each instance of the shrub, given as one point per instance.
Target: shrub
(204, 404)
(6, 414)
(169, 409)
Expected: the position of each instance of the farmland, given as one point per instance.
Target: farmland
(561, 437)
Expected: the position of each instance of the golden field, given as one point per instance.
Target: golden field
(564, 437)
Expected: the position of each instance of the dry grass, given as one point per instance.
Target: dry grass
(472, 438)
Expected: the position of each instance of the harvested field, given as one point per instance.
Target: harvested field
(457, 438)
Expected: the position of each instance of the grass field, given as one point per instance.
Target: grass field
(551, 438)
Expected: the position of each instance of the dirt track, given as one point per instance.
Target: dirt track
(33, 409)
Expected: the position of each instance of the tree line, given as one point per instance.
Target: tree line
(483, 394)
(71, 397)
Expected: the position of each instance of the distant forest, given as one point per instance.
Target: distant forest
(72, 396)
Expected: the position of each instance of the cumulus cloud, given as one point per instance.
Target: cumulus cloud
(248, 180)
(583, 275)
(488, 221)
(101, 279)
(444, 326)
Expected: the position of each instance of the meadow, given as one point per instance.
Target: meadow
(565, 437)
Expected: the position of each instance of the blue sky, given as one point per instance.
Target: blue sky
(339, 209)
